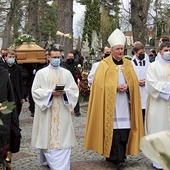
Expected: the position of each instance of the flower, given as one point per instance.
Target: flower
(24, 38)
(128, 57)
(84, 87)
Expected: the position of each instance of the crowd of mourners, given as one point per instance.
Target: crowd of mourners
(128, 100)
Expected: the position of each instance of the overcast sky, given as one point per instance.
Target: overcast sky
(78, 15)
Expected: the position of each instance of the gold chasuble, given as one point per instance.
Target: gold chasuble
(101, 107)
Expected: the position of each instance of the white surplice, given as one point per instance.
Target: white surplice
(122, 118)
(141, 74)
(52, 126)
(92, 72)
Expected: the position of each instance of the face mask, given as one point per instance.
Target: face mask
(70, 60)
(150, 55)
(132, 52)
(11, 61)
(55, 62)
(166, 55)
(106, 55)
(141, 56)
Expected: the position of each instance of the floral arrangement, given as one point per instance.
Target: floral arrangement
(24, 38)
(84, 87)
(128, 57)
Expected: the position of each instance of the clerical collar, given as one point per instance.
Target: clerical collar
(163, 61)
(117, 62)
(139, 62)
(53, 68)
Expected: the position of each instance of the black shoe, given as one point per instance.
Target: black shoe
(77, 114)
(32, 114)
(110, 160)
(120, 166)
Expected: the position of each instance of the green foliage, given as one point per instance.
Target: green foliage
(166, 159)
(48, 20)
(9, 107)
(107, 25)
(103, 22)
(92, 19)
(17, 22)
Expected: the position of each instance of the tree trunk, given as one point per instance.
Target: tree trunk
(33, 18)
(8, 24)
(139, 14)
(65, 24)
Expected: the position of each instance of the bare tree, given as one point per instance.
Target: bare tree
(139, 15)
(33, 18)
(9, 22)
(65, 22)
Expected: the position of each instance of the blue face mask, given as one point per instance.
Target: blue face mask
(166, 55)
(11, 61)
(55, 62)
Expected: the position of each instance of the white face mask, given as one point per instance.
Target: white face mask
(166, 55)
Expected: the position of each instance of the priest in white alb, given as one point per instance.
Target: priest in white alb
(53, 131)
(158, 100)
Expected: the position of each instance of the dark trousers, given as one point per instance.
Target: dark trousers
(118, 148)
(143, 114)
(77, 107)
(18, 105)
(31, 101)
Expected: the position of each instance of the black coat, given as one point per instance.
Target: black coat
(6, 94)
(16, 79)
(72, 67)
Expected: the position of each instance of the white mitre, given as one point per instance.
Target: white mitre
(116, 38)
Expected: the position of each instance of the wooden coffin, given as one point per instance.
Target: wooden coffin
(30, 53)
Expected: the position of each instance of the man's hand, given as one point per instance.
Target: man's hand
(58, 92)
(122, 87)
(22, 101)
(142, 82)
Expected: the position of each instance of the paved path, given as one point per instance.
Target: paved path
(28, 159)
